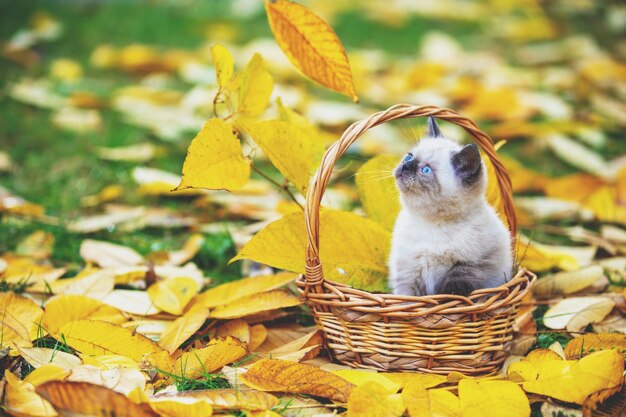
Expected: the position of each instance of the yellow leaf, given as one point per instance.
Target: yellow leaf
(373, 400)
(21, 399)
(45, 373)
(492, 398)
(62, 309)
(106, 254)
(266, 413)
(237, 328)
(353, 249)
(37, 357)
(223, 63)
(181, 407)
(20, 320)
(131, 301)
(527, 368)
(231, 291)
(421, 402)
(258, 334)
(215, 160)
(37, 245)
(567, 282)
(311, 45)
(492, 193)
(106, 362)
(576, 187)
(233, 399)
(82, 398)
(294, 153)
(92, 283)
(360, 377)
(606, 205)
(293, 377)
(255, 88)
(378, 191)
(100, 338)
(405, 378)
(575, 313)
(574, 381)
(183, 327)
(587, 343)
(271, 300)
(172, 295)
(213, 356)
(539, 257)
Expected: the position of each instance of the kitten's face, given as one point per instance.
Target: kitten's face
(439, 176)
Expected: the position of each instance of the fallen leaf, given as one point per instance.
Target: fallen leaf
(589, 343)
(258, 334)
(63, 309)
(292, 377)
(105, 362)
(574, 381)
(45, 373)
(172, 295)
(271, 300)
(20, 398)
(577, 312)
(563, 283)
(578, 155)
(91, 283)
(229, 399)
(378, 191)
(37, 357)
(236, 328)
(353, 249)
(255, 88)
(20, 320)
(121, 379)
(183, 328)
(223, 63)
(100, 338)
(421, 402)
(131, 301)
(405, 378)
(372, 400)
(361, 377)
(181, 407)
(37, 245)
(311, 45)
(106, 254)
(232, 291)
(492, 398)
(82, 398)
(294, 153)
(214, 159)
(216, 354)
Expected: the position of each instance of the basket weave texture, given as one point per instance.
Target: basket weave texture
(436, 334)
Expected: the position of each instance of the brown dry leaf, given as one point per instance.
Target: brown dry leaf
(354, 249)
(106, 254)
(372, 400)
(421, 402)
(232, 291)
(587, 343)
(378, 190)
(492, 399)
(82, 398)
(574, 381)
(575, 313)
(216, 354)
(100, 338)
(63, 309)
(258, 334)
(237, 328)
(271, 300)
(37, 357)
(172, 295)
(214, 159)
(183, 328)
(232, 399)
(567, 282)
(311, 45)
(20, 320)
(20, 398)
(284, 376)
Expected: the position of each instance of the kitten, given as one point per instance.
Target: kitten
(447, 239)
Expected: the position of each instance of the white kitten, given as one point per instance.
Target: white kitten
(447, 238)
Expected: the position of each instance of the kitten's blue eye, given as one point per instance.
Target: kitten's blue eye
(408, 158)
(426, 169)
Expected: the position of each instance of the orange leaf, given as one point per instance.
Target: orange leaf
(311, 45)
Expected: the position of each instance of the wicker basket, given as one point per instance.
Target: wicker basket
(435, 334)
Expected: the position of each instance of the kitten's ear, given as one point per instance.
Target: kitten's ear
(467, 164)
(433, 129)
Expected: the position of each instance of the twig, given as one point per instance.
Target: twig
(215, 101)
(280, 186)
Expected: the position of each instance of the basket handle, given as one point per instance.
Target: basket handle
(314, 276)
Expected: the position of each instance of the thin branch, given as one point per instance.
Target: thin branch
(216, 100)
(280, 186)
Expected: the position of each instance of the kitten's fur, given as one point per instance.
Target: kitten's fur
(447, 239)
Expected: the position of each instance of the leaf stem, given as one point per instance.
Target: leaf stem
(280, 186)
(215, 101)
